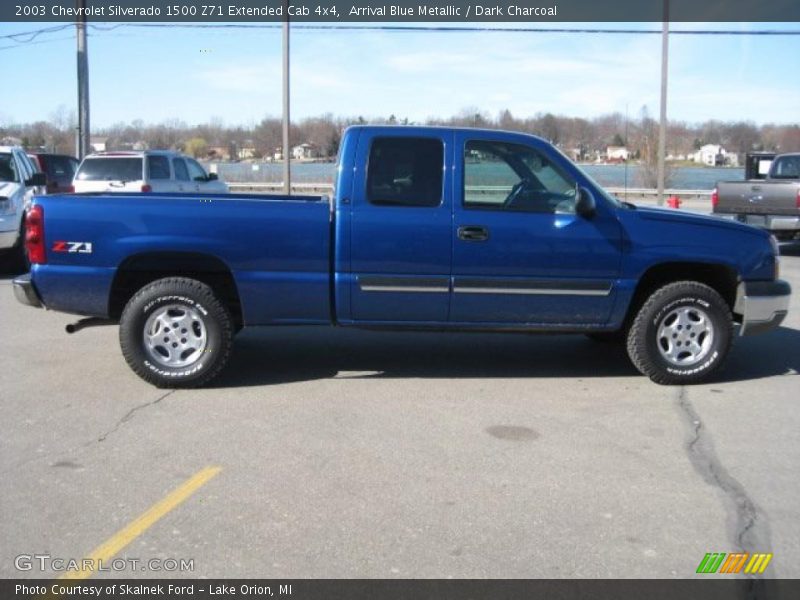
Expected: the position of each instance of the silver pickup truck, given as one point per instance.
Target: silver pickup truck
(772, 203)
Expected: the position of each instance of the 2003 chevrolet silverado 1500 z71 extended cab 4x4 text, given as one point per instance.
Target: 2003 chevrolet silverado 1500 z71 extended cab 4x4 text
(447, 229)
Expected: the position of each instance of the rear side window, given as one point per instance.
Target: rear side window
(405, 172)
(110, 169)
(786, 167)
(181, 174)
(158, 167)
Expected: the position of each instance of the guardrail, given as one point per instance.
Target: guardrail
(648, 192)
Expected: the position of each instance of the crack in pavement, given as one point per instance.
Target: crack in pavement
(129, 415)
(750, 526)
(50, 455)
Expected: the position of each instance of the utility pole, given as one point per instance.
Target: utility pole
(662, 128)
(287, 169)
(82, 145)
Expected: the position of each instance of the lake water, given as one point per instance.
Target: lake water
(684, 178)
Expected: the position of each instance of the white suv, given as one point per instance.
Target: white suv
(19, 181)
(148, 171)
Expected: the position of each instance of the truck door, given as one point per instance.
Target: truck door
(401, 217)
(521, 254)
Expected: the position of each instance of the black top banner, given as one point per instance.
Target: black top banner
(400, 11)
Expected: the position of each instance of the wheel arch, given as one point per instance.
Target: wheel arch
(723, 278)
(138, 270)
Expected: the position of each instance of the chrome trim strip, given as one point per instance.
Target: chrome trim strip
(531, 291)
(402, 288)
(404, 283)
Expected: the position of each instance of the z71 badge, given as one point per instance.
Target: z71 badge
(73, 247)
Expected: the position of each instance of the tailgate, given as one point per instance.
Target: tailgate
(758, 197)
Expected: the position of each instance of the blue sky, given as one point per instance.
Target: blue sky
(196, 75)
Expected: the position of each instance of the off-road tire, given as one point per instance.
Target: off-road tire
(643, 342)
(217, 326)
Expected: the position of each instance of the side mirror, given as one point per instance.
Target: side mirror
(212, 177)
(585, 204)
(36, 180)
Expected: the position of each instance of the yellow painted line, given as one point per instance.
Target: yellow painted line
(111, 547)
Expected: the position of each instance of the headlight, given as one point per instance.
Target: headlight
(776, 252)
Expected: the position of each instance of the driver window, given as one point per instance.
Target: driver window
(503, 176)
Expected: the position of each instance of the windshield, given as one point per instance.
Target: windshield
(110, 169)
(8, 169)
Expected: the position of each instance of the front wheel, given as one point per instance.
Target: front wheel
(682, 334)
(175, 332)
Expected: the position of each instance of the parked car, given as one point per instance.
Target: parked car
(59, 169)
(772, 203)
(148, 171)
(437, 228)
(19, 181)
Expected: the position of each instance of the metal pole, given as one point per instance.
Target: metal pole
(662, 128)
(626, 149)
(287, 169)
(83, 83)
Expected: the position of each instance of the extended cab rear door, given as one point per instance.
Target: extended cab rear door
(521, 254)
(400, 222)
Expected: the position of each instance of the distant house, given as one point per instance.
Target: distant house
(305, 151)
(712, 155)
(98, 144)
(10, 141)
(247, 152)
(617, 153)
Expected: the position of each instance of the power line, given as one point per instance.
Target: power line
(30, 37)
(459, 29)
(37, 42)
(402, 29)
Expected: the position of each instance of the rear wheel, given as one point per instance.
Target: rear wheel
(682, 333)
(175, 332)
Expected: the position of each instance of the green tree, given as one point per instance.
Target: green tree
(196, 147)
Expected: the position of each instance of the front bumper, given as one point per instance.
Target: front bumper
(762, 304)
(25, 292)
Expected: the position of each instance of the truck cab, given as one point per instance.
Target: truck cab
(483, 231)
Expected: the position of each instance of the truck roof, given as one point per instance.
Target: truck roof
(446, 128)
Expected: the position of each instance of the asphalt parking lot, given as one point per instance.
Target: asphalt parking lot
(359, 454)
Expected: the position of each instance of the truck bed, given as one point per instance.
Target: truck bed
(284, 240)
(758, 197)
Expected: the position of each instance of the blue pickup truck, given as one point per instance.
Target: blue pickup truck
(428, 228)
